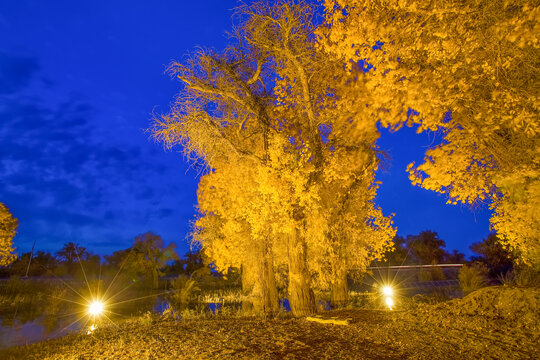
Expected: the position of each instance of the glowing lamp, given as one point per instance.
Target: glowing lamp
(387, 290)
(95, 308)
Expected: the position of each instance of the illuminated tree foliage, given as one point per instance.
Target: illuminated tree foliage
(470, 70)
(8, 229)
(234, 230)
(290, 157)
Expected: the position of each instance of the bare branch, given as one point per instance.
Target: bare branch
(255, 76)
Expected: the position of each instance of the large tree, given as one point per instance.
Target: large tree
(491, 252)
(147, 258)
(72, 253)
(149, 255)
(191, 262)
(290, 157)
(326, 153)
(470, 70)
(8, 229)
(426, 247)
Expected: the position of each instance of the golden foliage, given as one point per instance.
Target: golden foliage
(477, 59)
(8, 229)
(289, 151)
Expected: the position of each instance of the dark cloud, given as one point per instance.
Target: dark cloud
(161, 213)
(16, 72)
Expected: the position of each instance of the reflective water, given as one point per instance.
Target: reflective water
(20, 328)
(32, 323)
(18, 333)
(27, 325)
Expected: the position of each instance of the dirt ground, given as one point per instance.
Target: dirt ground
(467, 328)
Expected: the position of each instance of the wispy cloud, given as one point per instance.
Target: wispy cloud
(16, 72)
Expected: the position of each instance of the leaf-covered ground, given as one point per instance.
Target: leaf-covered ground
(468, 328)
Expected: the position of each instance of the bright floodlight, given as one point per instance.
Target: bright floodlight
(95, 308)
(388, 291)
(389, 302)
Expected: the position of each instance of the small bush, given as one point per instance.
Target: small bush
(364, 300)
(437, 273)
(506, 279)
(431, 274)
(184, 292)
(170, 313)
(16, 286)
(472, 277)
(146, 319)
(526, 276)
(425, 275)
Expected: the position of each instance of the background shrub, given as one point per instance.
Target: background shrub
(472, 277)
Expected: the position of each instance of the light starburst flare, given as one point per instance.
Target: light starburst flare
(387, 290)
(96, 308)
(388, 293)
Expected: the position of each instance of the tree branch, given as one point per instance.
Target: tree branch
(255, 76)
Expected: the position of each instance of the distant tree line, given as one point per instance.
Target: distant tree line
(427, 248)
(145, 261)
(148, 258)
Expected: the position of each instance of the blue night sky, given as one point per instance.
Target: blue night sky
(78, 84)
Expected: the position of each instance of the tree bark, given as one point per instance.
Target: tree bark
(259, 286)
(301, 297)
(155, 281)
(339, 291)
(269, 304)
(248, 282)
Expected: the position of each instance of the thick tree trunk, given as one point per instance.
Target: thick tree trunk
(259, 286)
(301, 297)
(339, 291)
(269, 303)
(248, 282)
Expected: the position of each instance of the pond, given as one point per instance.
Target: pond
(30, 322)
(27, 326)
(19, 333)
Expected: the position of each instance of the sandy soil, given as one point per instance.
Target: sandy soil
(444, 331)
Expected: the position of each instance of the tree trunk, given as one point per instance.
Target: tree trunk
(269, 297)
(259, 286)
(339, 291)
(155, 282)
(248, 282)
(301, 297)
